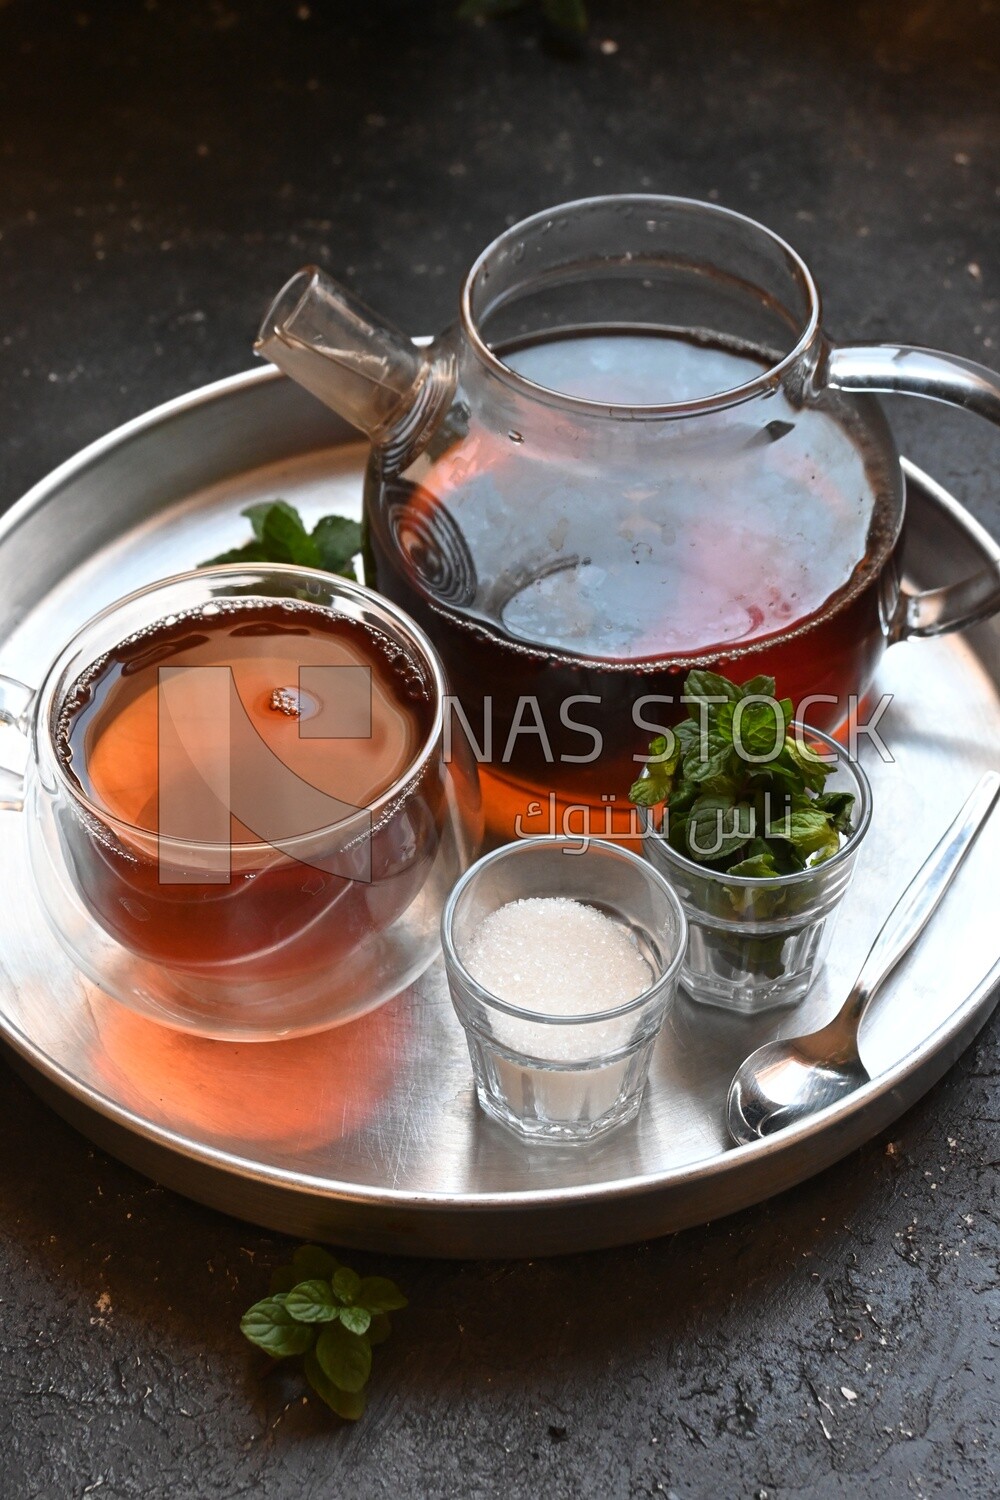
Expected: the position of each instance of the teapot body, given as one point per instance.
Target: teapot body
(572, 565)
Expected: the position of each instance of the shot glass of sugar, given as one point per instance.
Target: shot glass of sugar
(562, 966)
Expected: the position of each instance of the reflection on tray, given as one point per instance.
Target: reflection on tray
(295, 1095)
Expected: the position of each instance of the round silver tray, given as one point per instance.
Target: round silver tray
(370, 1135)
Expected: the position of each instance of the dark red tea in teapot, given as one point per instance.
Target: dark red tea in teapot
(568, 593)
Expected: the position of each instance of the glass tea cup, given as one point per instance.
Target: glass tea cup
(253, 904)
(564, 1077)
(757, 944)
(635, 452)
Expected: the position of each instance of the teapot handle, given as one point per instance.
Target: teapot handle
(16, 703)
(901, 369)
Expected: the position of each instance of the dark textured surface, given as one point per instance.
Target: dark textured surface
(164, 166)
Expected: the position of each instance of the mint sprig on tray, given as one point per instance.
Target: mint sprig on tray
(745, 816)
(280, 536)
(330, 1316)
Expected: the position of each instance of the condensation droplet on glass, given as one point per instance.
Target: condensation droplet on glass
(515, 437)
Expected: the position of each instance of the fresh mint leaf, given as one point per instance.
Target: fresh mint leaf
(812, 768)
(805, 825)
(347, 1404)
(313, 1262)
(812, 833)
(271, 1327)
(717, 774)
(356, 1319)
(344, 1357)
(838, 807)
(708, 686)
(649, 790)
(761, 732)
(257, 514)
(654, 784)
(664, 755)
(694, 761)
(280, 536)
(774, 776)
(379, 1294)
(286, 539)
(755, 866)
(338, 540)
(716, 828)
(762, 817)
(346, 1284)
(720, 724)
(313, 1302)
(758, 687)
(334, 1331)
(808, 829)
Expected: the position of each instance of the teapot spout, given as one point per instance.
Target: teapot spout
(328, 341)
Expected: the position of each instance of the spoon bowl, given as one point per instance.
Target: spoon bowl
(783, 1082)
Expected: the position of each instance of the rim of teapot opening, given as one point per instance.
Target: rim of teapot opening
(719, 400)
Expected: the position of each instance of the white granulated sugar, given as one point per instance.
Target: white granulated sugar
(551, 954)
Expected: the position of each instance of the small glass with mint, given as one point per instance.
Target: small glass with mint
(756, 821)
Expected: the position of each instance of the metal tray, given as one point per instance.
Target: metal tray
(370, 1135)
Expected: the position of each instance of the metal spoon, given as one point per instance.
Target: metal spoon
(786, 1081)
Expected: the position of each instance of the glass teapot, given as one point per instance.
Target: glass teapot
(634, 454)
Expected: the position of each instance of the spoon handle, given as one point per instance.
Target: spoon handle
(918, 902)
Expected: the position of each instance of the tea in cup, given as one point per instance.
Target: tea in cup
(240, 816)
